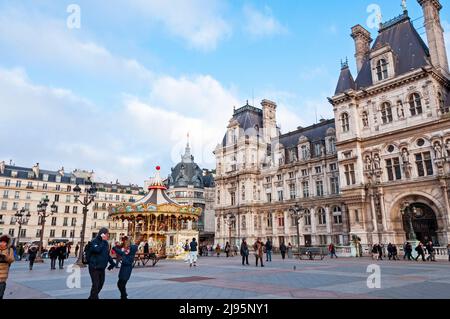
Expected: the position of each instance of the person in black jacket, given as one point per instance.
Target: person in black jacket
(99, 258)
(127, 253)
(53, 254)
(244, 252)
(32, 252)
(420, 252)
(62, 253)
(283, 249)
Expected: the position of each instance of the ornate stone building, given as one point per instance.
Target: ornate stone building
(189, 185)
(380, 170)
(393, 132)
(262, 173)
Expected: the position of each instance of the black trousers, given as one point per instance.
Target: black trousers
(245, 259)
(260, 258)
(53, 263)
(2, 289)
(122, 285)
(31, 263)
(421, 255)
(61, 263)
(98, 279)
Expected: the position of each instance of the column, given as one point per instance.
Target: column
(329, 219)
(287, 233)
(372, 208)
(446, 201)
(313, 226)
(383, 212)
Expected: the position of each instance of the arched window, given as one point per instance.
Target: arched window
(382, 70)
(442, 106)
(332, 144)
(307, 217)
(415, 104)
(345, 122)
(365, 119)
(322, 216)
(337, 215)
(386, 113)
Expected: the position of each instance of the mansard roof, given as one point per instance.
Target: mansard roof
(410, 51)
(248, 117)
(25, 172)
(346, 81)
(314, 133)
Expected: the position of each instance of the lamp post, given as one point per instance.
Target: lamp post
(230, 219)
(42, 212)
(90, 192)
(297, 213)
(408, 211)
(21, 217)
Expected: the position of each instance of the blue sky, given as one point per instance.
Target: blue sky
(119, 94)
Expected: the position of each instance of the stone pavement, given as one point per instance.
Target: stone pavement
(226, 278)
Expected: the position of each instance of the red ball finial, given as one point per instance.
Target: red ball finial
(158, 168)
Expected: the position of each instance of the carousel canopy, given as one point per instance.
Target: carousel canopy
(155, 202)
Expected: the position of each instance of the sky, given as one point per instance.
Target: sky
(115, 86)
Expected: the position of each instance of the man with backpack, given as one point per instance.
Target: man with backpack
(98, 257)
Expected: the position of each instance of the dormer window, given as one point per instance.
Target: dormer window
(386, 113)
(382, 70)
(345, 122)
(415, 104)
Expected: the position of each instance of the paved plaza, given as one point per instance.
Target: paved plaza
(225, 278)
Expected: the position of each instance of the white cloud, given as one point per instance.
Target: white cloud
(33, 37)
(261, 24)
(199, 23)
(57, 128)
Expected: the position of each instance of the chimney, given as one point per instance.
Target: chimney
(435, 34)
(362, 44)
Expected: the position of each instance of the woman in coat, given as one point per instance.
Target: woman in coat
(127, 254)
(259, 251)
(218, 250)
(244, 252)
(6, 259)
(283, 249)
(227, 249)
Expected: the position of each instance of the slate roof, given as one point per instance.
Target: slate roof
(23, 173)
(346, 81)
(314, 133)
(410, 51)
(248, 117)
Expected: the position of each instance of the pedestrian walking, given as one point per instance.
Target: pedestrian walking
(186, 251)
(146, 249)
(430, 250)
(218, 250)
(227, 249)
(332, 250)
(283, 249)
(98, 258)
(268, 247)
(289, 251)
(380, 251)
(259, 251)
(394, 252)
(408, 251)
(6, 259)
(375, 251)
(77, 249)
(21, 251)
(244, 252)
(53, 254)
(62, 254)
(420, 252)
(193, 252)
(32, 252)
(390, 252)
(127, 254)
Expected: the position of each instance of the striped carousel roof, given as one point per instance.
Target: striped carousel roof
(157, 192)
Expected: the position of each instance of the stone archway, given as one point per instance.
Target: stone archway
(428, 221)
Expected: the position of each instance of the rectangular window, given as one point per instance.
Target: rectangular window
(15, 206)
(38, 233)
(292, 191)
(74, 222)
(233, 199)
(16, 195)
(269, 197)
(5, 194)
(45, 177)
(4, 206)
(305, 186)
(67, 209)
(319, 188)
(268, 179)
(308, 219)
(44, 186)
(64, 233)
(350, 174)
(11, 232)
(280, 221)
(279, 177)
(75, 209)
(27, 206)
(280, 196)
(30, 185)
(318, 149)
(52, 233)
(69, 188)
(333, 167)
(18, 184)
(58, 188)
(304, 172)
(305, 154)
(8, 183)
(393, 169)
(291, 175)
(23, 233)
(28, 195)
(53, 221)
(95, 215)
(68, 198)
(56, 198)
(334, 182)
(337, 219)
(318, 169)
(424, 164)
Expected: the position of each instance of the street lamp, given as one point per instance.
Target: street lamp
(90, 192)
(230, 219)
(297, 213)
(408, 211)
(21, 217)
(42, 212)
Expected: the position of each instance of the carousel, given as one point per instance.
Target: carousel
(159, 220)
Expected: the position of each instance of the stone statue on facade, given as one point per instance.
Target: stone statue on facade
(368, 163)
(438, 150)
(447, 148)
(405, 156)
(377, 162)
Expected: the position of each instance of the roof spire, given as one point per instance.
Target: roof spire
(404, 6)
(187, 157)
